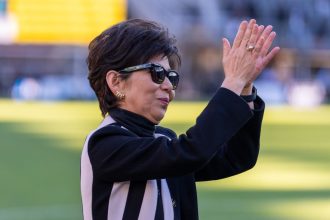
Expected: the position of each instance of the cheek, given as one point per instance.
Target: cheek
(172, 95)
(141, 89)
(143, 94)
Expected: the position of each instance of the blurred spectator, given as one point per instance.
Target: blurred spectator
(323, 78)
(207, 74)
(52, 88)
(306, 94)
(26, 89)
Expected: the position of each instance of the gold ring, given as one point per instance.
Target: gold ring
(250, 48)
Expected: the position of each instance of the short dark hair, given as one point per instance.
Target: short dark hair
(125, 44)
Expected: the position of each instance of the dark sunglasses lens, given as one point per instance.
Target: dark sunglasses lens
(158, 75)
(174, 78)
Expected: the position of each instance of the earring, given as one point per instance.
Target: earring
(120, 95)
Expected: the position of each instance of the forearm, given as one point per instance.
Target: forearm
(242, 150)
(239, 153)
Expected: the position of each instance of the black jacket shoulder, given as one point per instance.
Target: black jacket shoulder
(165, 131)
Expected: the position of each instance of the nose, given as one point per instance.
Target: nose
(168, 87)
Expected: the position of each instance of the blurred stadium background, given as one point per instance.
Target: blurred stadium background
(43, 45)
(47, 107)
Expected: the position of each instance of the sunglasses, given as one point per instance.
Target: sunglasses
(158, 73)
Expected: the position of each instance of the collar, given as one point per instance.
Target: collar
(133, 122)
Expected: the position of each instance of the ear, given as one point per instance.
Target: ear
(114, 81)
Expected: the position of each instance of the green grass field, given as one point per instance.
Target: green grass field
(40, 146)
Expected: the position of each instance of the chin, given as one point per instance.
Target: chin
(158, 118)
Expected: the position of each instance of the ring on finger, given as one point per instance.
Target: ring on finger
(250, 47)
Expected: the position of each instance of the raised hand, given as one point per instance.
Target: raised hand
(248, 56)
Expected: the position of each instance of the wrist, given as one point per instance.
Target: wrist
(234, 85)
(247, 90)
(252, 95)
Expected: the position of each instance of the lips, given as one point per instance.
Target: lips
(164, 100)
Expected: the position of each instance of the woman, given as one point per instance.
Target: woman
(131, 168)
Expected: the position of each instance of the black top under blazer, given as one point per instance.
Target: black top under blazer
(132, 169)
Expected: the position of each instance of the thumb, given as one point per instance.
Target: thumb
(225, 46)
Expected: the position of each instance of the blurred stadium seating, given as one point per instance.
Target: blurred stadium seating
(63, 29)
(302, 27)
(50, 43)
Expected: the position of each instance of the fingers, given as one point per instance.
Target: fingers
(248, 33)
(252, 27)
(271, 55)
(240, 34)
(226, 46)
(260, 30)
(268, 43)
(258, 46)
(254, 36)
(265, 33)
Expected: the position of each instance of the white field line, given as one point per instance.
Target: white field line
(53, 212)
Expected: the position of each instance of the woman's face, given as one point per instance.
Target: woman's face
(145, 97)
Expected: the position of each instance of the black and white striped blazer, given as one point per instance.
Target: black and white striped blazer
(120, 169)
